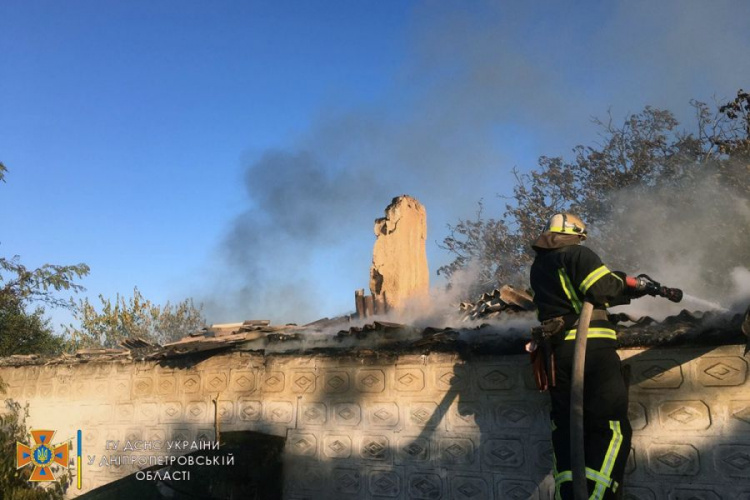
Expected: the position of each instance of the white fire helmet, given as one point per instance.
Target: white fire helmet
(566, 224)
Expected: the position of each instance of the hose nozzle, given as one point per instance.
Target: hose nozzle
(654, 288)
(673, 294)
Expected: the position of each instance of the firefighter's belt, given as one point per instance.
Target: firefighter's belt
(542, 357)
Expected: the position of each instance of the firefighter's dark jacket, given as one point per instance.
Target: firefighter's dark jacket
(564, 274)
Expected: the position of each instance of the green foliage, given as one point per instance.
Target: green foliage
(14, 483)
(38, 285)
(21, 286)
(730, 133)
(643, 157)
(23, 332)
(132, 317)
(23, 327)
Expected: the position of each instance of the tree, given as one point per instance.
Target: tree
(487, 244)
(14, 483)
(28, 286)
(23, 293)
(729, 132)
(645, 166)
(23, 332)
(132, 317)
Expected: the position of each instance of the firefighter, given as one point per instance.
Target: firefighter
(563, 275)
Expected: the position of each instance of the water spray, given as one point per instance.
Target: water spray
(705, 303)
(647, 285)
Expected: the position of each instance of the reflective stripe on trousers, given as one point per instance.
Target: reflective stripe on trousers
(602, 478)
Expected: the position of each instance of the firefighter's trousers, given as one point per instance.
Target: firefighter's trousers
(607, 431)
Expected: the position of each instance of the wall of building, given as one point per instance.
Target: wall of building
(413, 426)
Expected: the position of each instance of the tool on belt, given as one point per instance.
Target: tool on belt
(540, 348)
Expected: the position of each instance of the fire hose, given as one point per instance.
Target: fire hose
(577, 450)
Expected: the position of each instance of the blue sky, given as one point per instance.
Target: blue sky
(238, 152)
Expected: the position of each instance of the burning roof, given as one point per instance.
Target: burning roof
(497, 323)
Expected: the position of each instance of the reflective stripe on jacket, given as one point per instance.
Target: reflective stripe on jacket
(562, 278)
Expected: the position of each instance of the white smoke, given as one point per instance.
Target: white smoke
(740, 286)
(693, 235)
(441, 308)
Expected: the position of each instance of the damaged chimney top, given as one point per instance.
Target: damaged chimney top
(399, 269)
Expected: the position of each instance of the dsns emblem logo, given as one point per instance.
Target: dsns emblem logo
(42, 455)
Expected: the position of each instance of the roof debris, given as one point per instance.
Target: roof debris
(490, 335)
(135, 343)
(491, 305)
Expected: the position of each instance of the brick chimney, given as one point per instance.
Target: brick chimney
(399, 269)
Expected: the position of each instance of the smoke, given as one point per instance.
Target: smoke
(480, 90)
(297, 204)
(441, 310)
(740, 287)
(693, 235)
